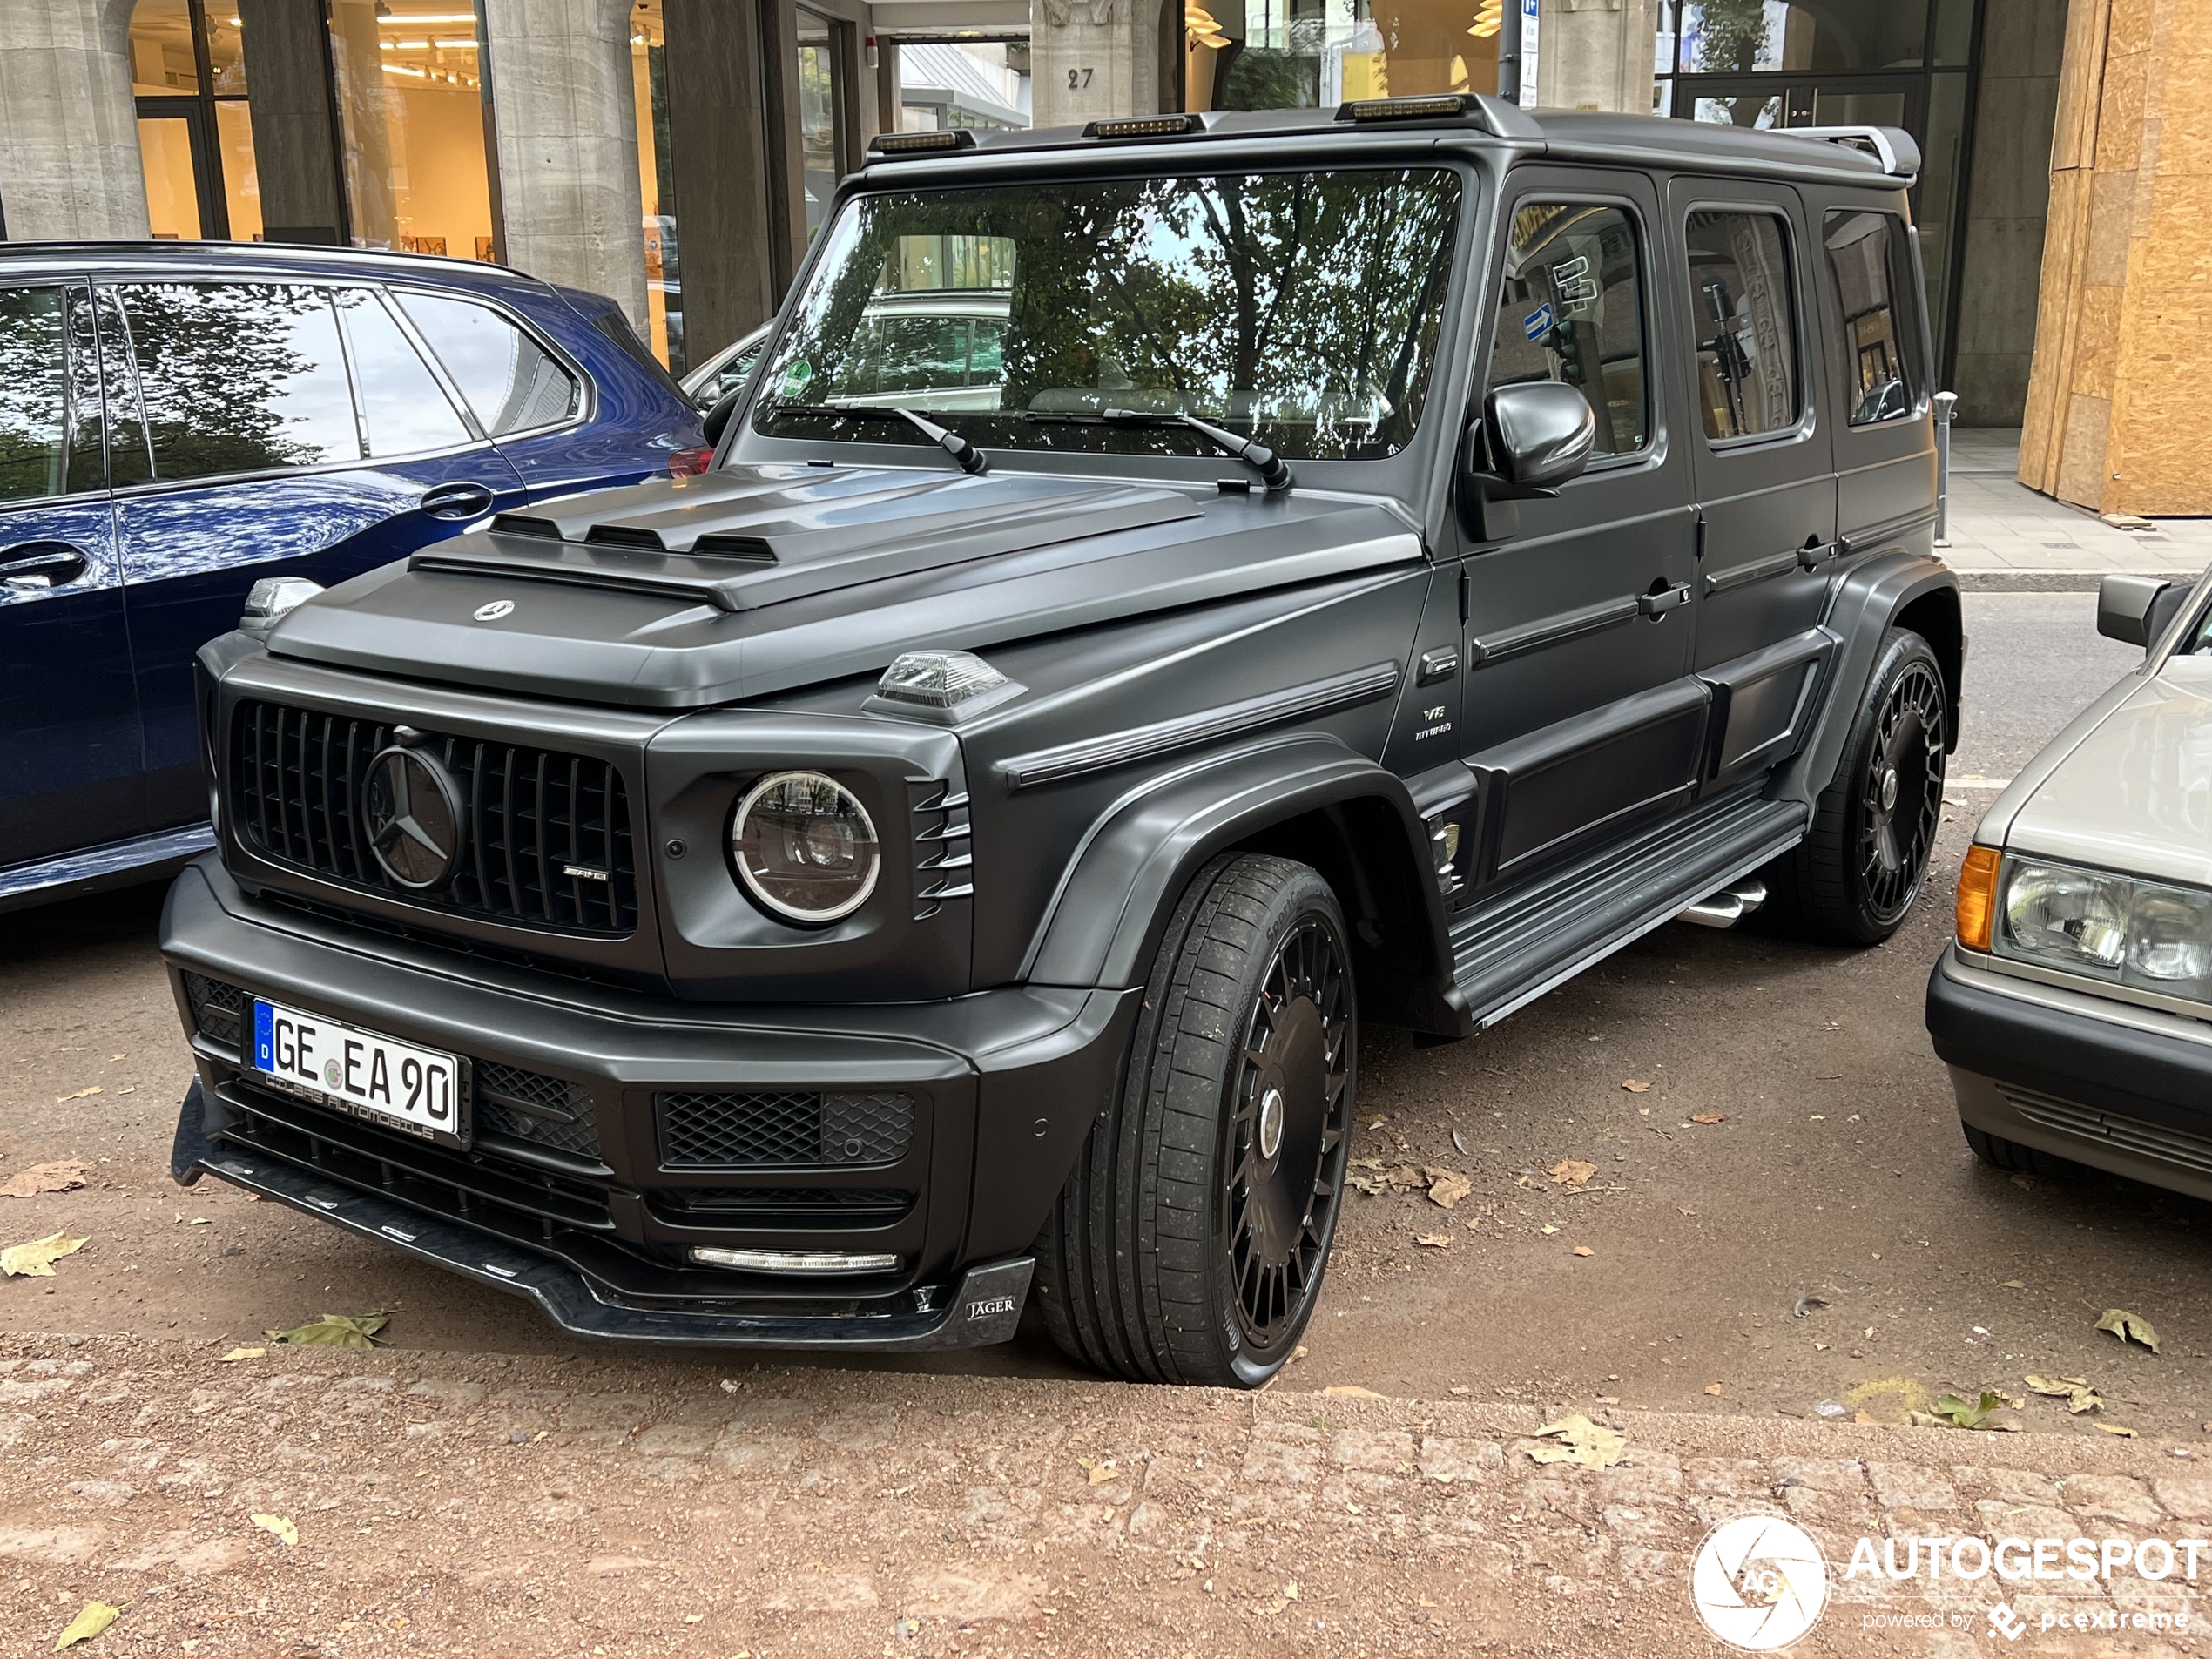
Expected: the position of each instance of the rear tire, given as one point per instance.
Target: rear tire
(1854, 877)
(2014, 1159)
(1190, 1243)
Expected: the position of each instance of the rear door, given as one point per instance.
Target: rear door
(1874, 301)
(71, 765)
(1580, 715)
(277, 429)
(1765, 472)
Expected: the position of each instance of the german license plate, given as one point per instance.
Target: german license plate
(360, 1072)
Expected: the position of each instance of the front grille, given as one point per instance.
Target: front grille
(218, 1010)
(2125, 1133)
(531, 821)
(701, 1131)
(531, 1106)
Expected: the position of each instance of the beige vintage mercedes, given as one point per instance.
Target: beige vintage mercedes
(2075, 1006)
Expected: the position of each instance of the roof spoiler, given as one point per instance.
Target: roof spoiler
(1892, 147)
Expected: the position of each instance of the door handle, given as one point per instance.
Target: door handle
(1659, 602)
(1815, 553)
(30, 563)
(457, 501)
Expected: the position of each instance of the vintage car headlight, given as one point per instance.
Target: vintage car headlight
(804, 846)
(2142, 933)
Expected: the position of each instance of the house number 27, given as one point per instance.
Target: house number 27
(1077, 79)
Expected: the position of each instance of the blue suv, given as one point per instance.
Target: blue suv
(179, 420)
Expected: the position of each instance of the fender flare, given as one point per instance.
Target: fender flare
(1868, 600)
(1106, 921)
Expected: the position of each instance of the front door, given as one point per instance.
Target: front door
(1765, 467)
(70, 757)
(1578, 715)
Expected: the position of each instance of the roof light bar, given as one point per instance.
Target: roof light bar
(1429, 107)
(890, 145)
(1147, 126)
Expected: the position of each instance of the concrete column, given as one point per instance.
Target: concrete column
(69, 130)
(1093, 60)
(717, 127)
(568, 144)
(1596, 55)
(287, 73)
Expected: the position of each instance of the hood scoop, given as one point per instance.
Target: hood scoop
(749, 537)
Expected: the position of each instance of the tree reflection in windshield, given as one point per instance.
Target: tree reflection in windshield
(1301, 307)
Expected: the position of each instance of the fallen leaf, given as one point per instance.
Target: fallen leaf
(1868, 1419)
(1708, 1117)
(1099, 1470)
(1447, 1189)
(1584, 1249)
(36, 1259)
(1635, 1088)
(96, 1618)
(1434, 1241)
(80, 1094)
(1713, 1388)
(2015, 1284)
(286, 1533)
(1549, 1229)
(2129, 1327)
(1289, 1591)
(1952, 1411)
(59, 1177)
(334, 1331)
(1577, 1439)
(2075, 1390)
(244, 1354)
(1350, 1391)
(1571, 1172)
(2114, 1428)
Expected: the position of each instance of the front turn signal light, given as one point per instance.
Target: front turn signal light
(1977, 896)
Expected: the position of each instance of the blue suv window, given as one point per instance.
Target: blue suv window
(511, 382)
(404, 411)
(34, 395)
(235, 377)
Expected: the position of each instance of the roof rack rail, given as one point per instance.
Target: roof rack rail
(1891, 146)
(1494, 115)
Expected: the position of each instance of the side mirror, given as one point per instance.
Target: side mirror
(1531, 437)
(718, 418)
(2129, 609)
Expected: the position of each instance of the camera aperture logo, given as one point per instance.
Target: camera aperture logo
(1758, 1583)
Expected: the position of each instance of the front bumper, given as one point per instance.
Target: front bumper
(598, 1227)
(2104, 1083)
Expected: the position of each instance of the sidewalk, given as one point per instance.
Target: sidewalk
(524, 1507)
(2005, 537)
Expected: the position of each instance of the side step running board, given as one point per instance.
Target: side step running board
(1728, 906)
(1512, 949)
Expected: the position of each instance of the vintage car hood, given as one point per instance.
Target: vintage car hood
(2130, 788)
(757, 579)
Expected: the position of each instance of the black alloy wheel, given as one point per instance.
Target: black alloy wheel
(1190, 1243)
(1901, 795)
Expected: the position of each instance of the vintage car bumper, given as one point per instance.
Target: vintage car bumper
(2108, 1084)
(613, 1131)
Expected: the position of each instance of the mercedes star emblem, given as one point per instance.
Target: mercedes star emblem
(413, 818)
(495, 610)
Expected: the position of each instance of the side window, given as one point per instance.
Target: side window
(404, 409)
(34, 395)
(235, 377)
(1865, 251)
(1746, 323)
(1572, 310)
(511, 384)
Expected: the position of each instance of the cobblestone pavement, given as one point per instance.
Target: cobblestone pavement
(2004, 534)
(524, 1507)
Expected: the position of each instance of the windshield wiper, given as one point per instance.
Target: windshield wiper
(1274, 471)
(971, 459)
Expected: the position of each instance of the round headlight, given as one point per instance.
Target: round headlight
(2170, 935)
(804, 846)
(2075, 916)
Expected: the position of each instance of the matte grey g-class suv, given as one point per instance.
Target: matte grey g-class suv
(1332, 568)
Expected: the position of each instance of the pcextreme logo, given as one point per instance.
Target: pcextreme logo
(1758, 1583)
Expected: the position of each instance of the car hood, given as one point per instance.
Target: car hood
(750, 580)
(2129, 785)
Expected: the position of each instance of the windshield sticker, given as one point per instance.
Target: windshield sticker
(1538, 323)
(797, 378)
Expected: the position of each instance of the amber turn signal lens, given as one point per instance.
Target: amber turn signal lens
(1977, 896)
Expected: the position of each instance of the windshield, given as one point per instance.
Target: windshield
(1298, 308)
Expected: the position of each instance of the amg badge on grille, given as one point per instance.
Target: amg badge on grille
(584, 872)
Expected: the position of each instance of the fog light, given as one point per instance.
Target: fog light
(794, 1261)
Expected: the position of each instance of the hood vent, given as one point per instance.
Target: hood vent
(625, 535)
(720, 546)
(523, 524)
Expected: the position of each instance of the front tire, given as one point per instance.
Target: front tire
(1189, 1245)
(1854, 877)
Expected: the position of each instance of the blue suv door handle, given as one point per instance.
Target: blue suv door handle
(55, 563)
(457, 501)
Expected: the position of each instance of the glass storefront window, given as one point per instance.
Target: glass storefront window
(1299, 54)
(410, 105)
(241, 183)
(1743, 36)
(821, 117)
(163, 59)
(656, 179)
(172, 183)
(195, 132)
